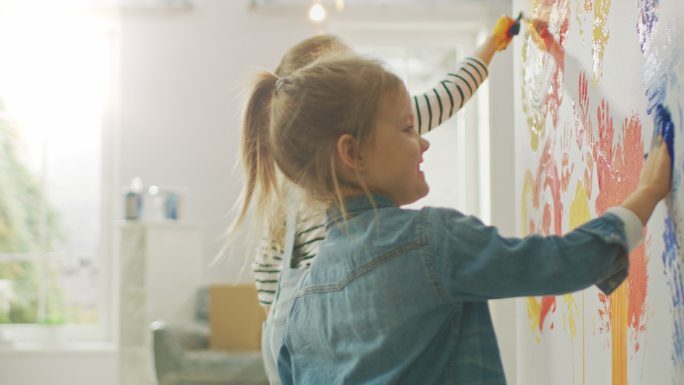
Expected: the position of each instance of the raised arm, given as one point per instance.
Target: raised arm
(449, 95)
(437, 105)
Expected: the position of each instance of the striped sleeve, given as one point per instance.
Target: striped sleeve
(308, 239)
(266, 270)
(437, 105)
(309, 232)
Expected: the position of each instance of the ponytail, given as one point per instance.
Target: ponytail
(261, 183)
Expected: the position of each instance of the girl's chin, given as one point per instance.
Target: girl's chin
(422, 193)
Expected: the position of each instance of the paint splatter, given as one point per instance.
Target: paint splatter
(533, 313)
(584, 132)
(583, 126)
(548, 305)
(543, 63)
(582, 8)
(570, 315)
(601, 35)
(663, 75)
(579, 208)
(546, 177)
(648, 17)
(664, 127)
(579, 214)
(618, 168)
(567, 167)
(629, 169)
(527, 195)
(673, 275)
(604, 313)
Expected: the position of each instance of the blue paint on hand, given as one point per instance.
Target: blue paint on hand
(665, 127)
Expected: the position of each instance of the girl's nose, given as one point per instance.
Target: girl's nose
(424, 144)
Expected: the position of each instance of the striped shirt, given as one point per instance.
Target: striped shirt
(430, 109)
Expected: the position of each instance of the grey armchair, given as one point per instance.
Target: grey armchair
(182, 357)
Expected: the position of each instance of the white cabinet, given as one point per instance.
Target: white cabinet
(159, 272)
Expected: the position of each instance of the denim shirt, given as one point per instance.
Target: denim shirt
(399, 296)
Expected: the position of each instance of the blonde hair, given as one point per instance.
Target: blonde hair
(292, 125)
(309, 50)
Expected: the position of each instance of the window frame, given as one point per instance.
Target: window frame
(55, 335)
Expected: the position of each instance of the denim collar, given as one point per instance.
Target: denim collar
(356, 205)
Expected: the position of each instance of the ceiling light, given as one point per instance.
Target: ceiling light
(317, 13)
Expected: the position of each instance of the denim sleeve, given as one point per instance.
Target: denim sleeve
(472, 261)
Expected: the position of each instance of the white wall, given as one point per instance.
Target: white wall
(181, 73)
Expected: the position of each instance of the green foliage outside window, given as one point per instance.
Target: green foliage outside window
(25, 228)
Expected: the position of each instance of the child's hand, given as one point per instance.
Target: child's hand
(502, 33)
(655, 182)
(656, 175)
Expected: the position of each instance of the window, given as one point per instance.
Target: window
(55, 77)
(422, 55)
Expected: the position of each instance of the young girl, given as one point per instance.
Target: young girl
(284, 253)
(431, 108)
(400, 296)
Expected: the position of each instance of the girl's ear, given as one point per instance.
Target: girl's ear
(349, 152)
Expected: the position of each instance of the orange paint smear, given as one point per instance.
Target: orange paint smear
(548, 305)
(547, 176)
(618, 167)
(567, 167)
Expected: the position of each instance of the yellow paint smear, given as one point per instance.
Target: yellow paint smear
(528, 190)
(581, 9)
(601, 35)
(618, 322)
(580, 214)
(579, 209)
(571, 315)
(533, 314)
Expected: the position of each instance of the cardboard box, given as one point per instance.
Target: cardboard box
(235, 318)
